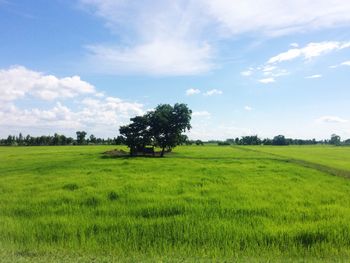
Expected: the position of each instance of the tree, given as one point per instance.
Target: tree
(237, 141)
(92, 138)
(137, 134)
(10, 140)
(167, 124)
(20, 139)
(335, 139)
(81, 137)
(279, 140)
(162, 127)
(189, 142)
(69, 140)
(119, 140)
(56, 140)
(250, 140)
(199, 142)
(266, 141)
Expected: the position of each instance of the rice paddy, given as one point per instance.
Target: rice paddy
(199, 203)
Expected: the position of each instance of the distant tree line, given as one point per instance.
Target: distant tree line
(83, 139)
(281, 140)
(58, 139)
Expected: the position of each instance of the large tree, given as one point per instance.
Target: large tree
(162, 127)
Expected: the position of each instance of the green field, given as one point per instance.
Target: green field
(200, 203)
(336, 157)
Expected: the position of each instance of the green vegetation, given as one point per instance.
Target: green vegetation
(334, 157)
(162, 127)
(72, 203)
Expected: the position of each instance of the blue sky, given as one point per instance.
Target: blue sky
(263, 67)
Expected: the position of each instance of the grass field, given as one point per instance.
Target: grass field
(336, 157)
(199, 203)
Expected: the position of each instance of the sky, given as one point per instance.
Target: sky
(264, 67)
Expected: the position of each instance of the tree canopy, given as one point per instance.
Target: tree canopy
(81, 137)
(335, 139)
(162, 127)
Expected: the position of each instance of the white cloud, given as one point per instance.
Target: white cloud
(191, 92)
(182, 37)
(294, 45)
(276, 73)
(109, 111)
(275, 17)
(17, 82)
(311, 50)
(316, 76)
(268, 68)
(157, 38)
(248, 108)
(331, 119)
(158, 57)
(201, 114)
(213, 92)
(345, 63)
(59, 117)
(272, 72)
(101, 116)
(99, 94)
(267, 80)
(247, 73)
(88, 109)
(285, 56)
(266, 16)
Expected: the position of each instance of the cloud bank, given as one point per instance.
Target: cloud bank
(18, 81)
(183, 37)
(72, 104)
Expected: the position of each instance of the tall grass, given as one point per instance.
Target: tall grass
(199, 203)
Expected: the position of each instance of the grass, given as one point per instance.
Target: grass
(331, 156)
(200, 203)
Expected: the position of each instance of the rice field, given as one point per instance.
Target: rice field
(200, 203)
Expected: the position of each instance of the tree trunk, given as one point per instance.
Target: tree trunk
(162, 153)
(132, 151)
